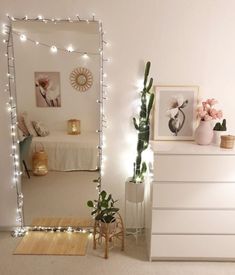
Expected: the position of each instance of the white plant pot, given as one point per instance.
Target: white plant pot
(217, 137)
(134, 191)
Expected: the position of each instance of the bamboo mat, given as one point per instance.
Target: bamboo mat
(62, 222)
(55, 243)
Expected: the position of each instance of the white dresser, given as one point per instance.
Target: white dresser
(192, 202)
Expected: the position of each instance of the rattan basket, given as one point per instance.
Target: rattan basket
(227, 142)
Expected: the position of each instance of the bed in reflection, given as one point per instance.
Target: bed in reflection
(68, 152)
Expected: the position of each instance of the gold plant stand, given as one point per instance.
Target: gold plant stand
(110, 233)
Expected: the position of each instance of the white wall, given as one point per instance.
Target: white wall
(30, 58)
(188, 41)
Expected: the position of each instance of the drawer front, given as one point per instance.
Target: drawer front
(192, 247)
(194, 168)
(194, 195)
(193, 222)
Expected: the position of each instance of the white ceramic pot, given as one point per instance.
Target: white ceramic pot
(134, 191)
(217, 137)
(204, 133)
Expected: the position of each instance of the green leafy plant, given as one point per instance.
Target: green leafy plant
(103, 208)
(142, 125)
(220, 126)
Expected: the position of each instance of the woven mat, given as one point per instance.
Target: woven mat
(63, 222)
(47, 243)
(55, 243)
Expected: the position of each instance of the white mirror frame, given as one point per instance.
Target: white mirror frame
(10, 89)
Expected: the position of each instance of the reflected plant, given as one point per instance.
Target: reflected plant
(176, 114)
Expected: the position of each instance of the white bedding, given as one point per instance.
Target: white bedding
(69, 152)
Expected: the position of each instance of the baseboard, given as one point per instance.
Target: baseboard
(7, 228)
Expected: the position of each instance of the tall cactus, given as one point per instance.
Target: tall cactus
(143, 125)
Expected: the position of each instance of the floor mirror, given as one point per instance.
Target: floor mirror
(55, 72)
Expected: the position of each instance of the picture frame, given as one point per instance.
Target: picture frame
(47, 89)
(175, 112)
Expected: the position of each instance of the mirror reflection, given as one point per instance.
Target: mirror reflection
(58, 85)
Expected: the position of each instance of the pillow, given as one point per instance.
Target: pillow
(21, 125)
(29, 125)
(21, 135)
(40, 128)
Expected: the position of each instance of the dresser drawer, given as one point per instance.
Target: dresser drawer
(193, 222)
(220, 168)
(193, 195)
(192, 247)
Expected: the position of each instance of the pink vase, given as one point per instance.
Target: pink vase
(204, 133)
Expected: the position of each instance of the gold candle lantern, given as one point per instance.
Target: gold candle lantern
(73, 126)
(40, 163)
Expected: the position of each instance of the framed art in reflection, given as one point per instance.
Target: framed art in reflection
(175, 112)
(47, 88)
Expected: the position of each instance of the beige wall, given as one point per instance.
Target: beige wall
(188, 41)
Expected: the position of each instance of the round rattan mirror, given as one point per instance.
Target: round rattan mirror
(81, 79)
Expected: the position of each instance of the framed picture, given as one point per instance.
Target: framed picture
(47, 89)
(175, 112)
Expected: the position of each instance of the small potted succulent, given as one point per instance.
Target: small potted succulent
(104, 210)
(219, 130)
(135, 184)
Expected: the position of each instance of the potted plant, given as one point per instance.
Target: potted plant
(104, 210)
(135, 185)
(219, 130)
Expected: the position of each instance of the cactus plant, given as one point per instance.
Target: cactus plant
(142, 125)
(220, 126)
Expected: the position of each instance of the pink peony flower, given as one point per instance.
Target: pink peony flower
(206, 112)
(213, 113)
(211, 101)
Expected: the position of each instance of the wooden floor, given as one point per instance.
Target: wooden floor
(48, 243)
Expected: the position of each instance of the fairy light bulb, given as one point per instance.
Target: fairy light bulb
(23, 37)
(70, 49)
(40, 17)
(37, 43)
(85, 56)
(53, 49)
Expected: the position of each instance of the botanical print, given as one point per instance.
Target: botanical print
(175, 112)
(47, 89)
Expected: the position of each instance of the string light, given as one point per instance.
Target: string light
(70, 49)
(23, 37)
(85, 56)
(53, 49)
(21, 230)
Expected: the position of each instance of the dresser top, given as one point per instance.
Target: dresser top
(187, 148)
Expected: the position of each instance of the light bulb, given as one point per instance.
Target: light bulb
(70, 49)
(85, 56)
(36, 42)
(40, 17)
(23, 37)
(53, 49)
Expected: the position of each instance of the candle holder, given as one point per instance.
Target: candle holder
(73, 127)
